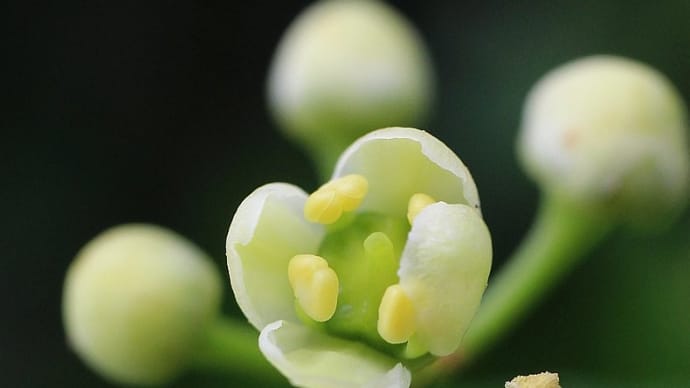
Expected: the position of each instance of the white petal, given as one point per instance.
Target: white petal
(444, 269)
(399, 162)
(309, 358)
(267, 230)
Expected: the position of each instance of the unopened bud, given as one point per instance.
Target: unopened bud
(611, 133)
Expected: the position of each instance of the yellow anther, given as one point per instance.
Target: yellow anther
(328, 203)
(315, 286)
(417, 203)
(352, 189)
(323, 207)
(396, 322)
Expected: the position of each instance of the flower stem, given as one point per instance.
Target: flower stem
(325, 155)
(230, 347)
(561, 236)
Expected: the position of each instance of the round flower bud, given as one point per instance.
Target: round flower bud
(344, 68)
(137, 299)
(609, 133)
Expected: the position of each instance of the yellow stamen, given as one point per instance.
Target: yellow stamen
(315, 286)
(417, 203)
(328, 203)
(352, 189)
(396, 322)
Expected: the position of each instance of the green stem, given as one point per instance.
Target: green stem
(325, 155)
(231, 347)
(561, 236)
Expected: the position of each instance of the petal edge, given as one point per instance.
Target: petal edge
(267, 230)
(399, 162)
(309, 358)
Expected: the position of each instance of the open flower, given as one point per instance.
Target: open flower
(372, 275)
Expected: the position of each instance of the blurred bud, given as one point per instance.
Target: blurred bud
(609, 133)
(136, 301)
(344, 68)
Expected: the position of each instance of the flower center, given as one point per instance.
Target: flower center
(365, 254)
(350, 287)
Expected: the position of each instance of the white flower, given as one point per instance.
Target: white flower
(380, 269)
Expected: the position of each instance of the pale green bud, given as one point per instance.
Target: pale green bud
(609, 133)
(137, 299)
(344, 68)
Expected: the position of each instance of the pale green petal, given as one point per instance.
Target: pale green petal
(399, 162)
(444, 269)
(267, 230)
(309, 358)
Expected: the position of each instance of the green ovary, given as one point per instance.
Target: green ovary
(365, 252)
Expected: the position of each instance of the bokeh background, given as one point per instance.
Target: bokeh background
(155, 112)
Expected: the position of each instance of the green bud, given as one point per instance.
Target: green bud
(137, 300)
(344, 68)
(608, 133)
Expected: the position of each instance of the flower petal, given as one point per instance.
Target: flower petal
(267, 230)
(309, 358)
(444, 269)
(399, 162)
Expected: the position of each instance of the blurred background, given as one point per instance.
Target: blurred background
(155, 112)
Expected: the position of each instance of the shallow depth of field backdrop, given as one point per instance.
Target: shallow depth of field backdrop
(155, 112)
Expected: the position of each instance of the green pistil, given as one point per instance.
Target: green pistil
(365, 253)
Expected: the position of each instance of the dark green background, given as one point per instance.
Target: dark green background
(154, 112)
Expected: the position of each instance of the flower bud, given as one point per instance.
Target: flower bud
(137, 299)
(344, 68)
(609, 133)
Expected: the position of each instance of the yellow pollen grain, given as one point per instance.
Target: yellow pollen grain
(327, 204)
(315, 286)
(416, 204)
(540, 380)
(396, 322)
